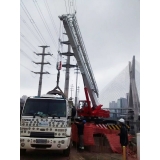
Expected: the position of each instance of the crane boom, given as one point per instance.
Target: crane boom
(75, 38)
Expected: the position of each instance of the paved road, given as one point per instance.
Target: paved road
(50, 155)
(74, 155)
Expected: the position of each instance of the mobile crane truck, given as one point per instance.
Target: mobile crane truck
(91, 110)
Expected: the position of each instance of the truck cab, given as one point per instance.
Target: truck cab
(45, 124)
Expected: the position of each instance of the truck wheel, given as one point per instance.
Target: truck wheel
(22, 151)
(66, 152)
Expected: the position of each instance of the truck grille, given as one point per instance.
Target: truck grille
(41, 145)
(42, 134)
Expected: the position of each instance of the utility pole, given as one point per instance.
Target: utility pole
(71, 90)
(78, 90)
(67, 66)
(41, 71)
(77, 72)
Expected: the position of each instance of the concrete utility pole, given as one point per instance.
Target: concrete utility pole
(67, 66)
(71, 90)
(41, 71)
(77, 69)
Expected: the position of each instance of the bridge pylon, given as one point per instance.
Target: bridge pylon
(133, 100)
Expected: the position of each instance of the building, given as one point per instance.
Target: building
(124, 104)
(121, 103)
(112, 104)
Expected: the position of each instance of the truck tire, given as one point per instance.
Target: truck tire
(66, 152)
(22, 151)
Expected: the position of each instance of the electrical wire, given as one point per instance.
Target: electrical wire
(44, 22)
(25, 67)
(59, 43)
(69, 6)
(26, 54)
(51, 17)
(29, 57)
(32, 22)
(39, 40)
(28, 41)
(26, 45)
(29, 70)
(75, 6)
(72, 6)
(34, 25)
(66, 6)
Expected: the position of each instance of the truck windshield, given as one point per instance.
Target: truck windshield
(48, 107)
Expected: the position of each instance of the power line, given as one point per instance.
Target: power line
(26, 33)
(49, 12)
(25, 67)
(30, 49)
(32, 22)
(26, 44)
(66, 6)
(59, 43)
(26, 54)
(31, 71)
(30, 30)
(44, 22)
(69, 6)
(75, 8)
(27, 41)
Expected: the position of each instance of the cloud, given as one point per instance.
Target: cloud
(110, 30)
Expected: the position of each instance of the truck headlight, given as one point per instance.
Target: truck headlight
(22, 144)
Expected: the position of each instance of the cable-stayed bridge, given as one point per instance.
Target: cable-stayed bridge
(122, 95)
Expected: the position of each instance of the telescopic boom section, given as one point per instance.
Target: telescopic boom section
(75, 38)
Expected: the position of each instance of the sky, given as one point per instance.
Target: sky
(15, 78)
(13, 81)
(110, 30)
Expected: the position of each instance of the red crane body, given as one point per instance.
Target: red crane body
(88, 111)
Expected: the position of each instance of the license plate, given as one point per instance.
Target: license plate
(43, 124)
(41, 141)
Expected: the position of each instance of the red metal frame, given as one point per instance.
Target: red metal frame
(88, 111)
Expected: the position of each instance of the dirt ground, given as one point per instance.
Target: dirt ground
(74, 155)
